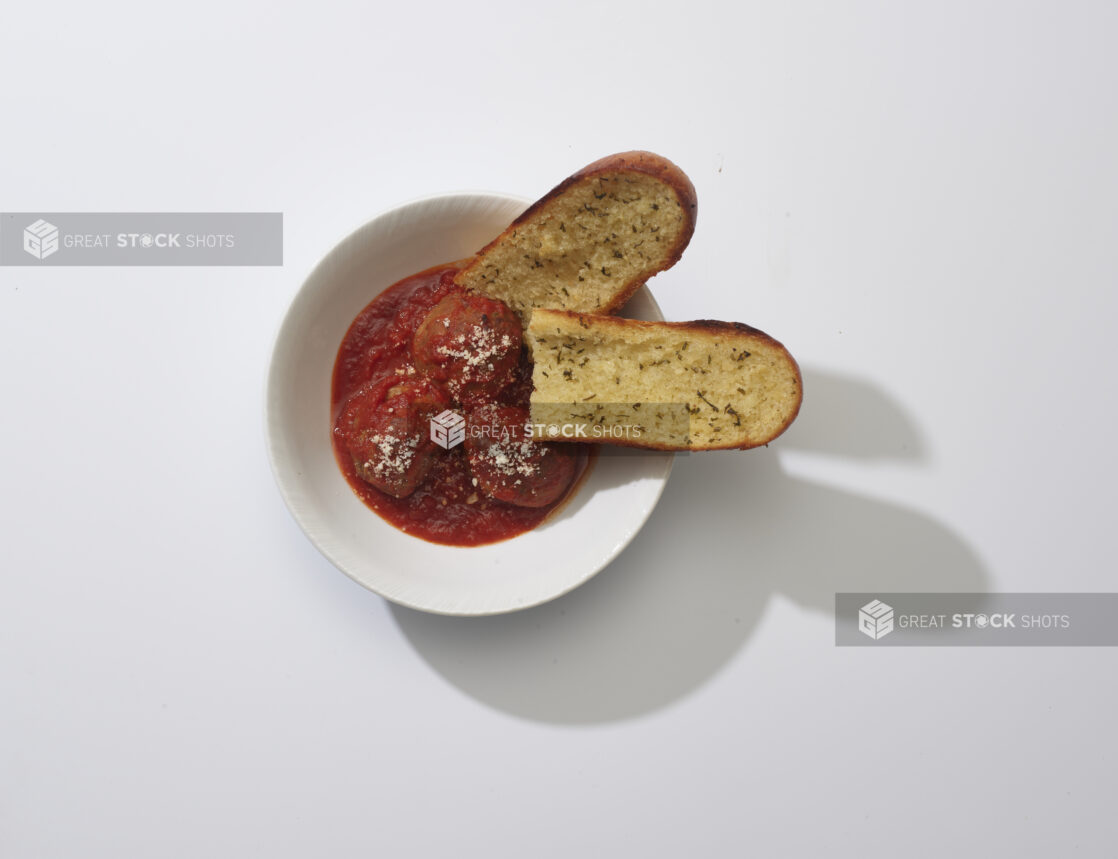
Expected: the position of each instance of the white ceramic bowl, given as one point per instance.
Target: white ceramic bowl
(608, 509)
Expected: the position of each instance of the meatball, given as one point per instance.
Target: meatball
(510, 466)
(384, 426)
(471, 344)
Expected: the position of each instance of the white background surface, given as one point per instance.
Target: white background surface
(920, 200)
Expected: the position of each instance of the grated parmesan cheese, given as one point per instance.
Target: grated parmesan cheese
(396, 455)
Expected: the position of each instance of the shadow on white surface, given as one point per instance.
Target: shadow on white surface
(852, 419)
(731, 531)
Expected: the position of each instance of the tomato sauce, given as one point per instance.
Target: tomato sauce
(447, 506)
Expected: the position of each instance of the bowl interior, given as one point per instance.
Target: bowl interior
(579, 540)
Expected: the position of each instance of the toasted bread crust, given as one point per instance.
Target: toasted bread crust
(635, 161)
(721, 358)
(608, 297)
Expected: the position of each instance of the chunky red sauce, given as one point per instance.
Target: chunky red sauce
(447, 506)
